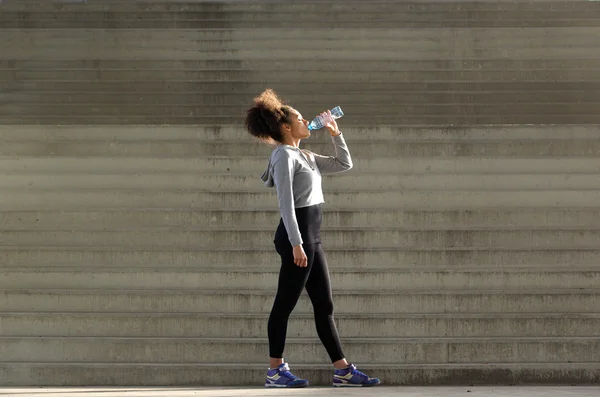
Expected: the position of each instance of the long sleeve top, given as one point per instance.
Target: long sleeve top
(296, 175)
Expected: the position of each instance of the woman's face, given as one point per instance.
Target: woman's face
(298, 126)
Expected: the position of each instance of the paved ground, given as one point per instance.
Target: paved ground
(533, 391)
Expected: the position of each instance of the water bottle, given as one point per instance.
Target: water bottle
(320, 122)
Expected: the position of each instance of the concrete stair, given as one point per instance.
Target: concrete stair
(227, 350)
(243, 301)
(116, 259)
(253, 325)
(135, 233)
(233, 279)
(181, 62)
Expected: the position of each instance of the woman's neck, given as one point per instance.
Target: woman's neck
(291, 142)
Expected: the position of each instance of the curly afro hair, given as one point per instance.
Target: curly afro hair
(265, 117)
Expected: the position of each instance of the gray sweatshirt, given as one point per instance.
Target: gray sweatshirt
(296, 175)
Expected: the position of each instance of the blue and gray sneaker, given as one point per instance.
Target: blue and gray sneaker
(282, 377)
(351, 377)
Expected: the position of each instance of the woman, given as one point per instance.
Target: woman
(296, 175)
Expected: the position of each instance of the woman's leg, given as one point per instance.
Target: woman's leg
(318, 287)
(292, 280)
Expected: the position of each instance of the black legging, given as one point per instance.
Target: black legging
(292, 280)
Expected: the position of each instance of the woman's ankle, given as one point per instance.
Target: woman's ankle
(275, 362)
(341, 364)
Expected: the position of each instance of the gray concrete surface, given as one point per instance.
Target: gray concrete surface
(430, 119)
(382, 391)
(156, 198)
(234, 277)
(235, 133)
(119, 257)
(559, 238)
(219, 301)
(301, 325)
(350, 182)
(536, 73)
(485, 219)
(309, 351)
(362, 147)
(138, 300)
(470, 165)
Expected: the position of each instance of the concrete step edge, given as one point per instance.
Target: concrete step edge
(276, 211)
(106, 291)
(355, 142)
(300, 340)
(189, 247)
(437, 7)
(113, 248)
(407, 66)
(252, 373)
(212, 173)
(78, 227)
(266, 193)
(252, 158)
(195, 131)
(310, 316)
(343, 176)
(271, 269)
(507, 268)
(88, 241)
(271, 228)
(261, 365)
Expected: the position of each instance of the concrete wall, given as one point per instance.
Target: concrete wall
(135, 232)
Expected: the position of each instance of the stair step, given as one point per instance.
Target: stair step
(305, 102)
(359, 149)
(378, 13)
(65, 117)
(527, 21)
(157, 45)
(250, 88)
(355, 111)
(372, 258)
(370, 37)
(126, 374)
(265, 278)
(140, 218)
(365, 239)
(416, 7)
(300, 65)
(317, 76)
(337, 183)
(151, 198)
(309, 351)
(355, 135)
(208, 301)
(246, 325)
(470, 165)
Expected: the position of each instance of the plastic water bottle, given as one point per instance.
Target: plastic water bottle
(320, 122)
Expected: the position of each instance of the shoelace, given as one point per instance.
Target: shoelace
(357, 372)
(286, 372)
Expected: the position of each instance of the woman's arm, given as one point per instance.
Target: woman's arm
(283, 175)
(342, 161)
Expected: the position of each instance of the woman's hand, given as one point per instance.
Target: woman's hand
(300, 258)
(331, 125)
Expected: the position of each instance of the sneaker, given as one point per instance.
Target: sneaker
(282, 377)
(351, 377)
